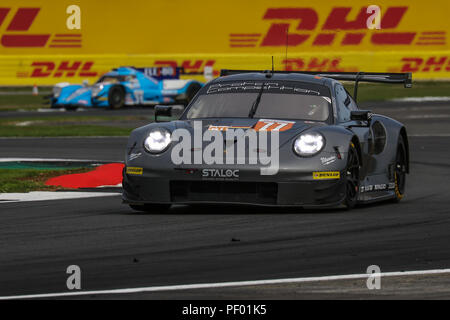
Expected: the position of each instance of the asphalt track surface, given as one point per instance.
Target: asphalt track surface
(118, 248)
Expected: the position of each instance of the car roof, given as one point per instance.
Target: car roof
(121, 71)
(262, 76)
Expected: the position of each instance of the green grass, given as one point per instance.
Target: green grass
(54, 126)
(22, 98)
(25, 89)
(26, 180)
(75, 125)
(62, 131)
(111, 125)
(61, 119)
(382, 92)
(9, 102)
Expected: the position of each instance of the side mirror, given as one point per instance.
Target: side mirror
(165, 111)
(361, 115)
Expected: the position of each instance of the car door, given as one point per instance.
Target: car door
(345, 105)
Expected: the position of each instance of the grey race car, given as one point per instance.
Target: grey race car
(330, 153)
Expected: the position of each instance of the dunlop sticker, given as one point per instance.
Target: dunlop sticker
(326, 175)
(134, 170)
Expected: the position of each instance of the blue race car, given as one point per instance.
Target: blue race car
(128, 86)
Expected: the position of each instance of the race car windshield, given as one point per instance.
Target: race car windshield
(112, 79)
(279, 100)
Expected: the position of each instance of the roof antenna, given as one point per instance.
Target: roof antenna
(272, 65)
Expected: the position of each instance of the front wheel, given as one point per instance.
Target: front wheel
(116, 97)
(151, 208)
(351, 177)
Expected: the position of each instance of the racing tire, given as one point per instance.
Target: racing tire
(351, 178)
(400, 171)
(151, 208)
(116, 97)
(191, 92)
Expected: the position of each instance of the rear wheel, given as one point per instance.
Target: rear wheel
(116, 97)
(400, 171)
(151, 208)
(351, 177)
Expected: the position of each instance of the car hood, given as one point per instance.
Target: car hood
(287, 129)
(80, 95)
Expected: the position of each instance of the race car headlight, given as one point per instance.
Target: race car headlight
(309, 144)
(158, 140)
(96, 89)
(56, 91)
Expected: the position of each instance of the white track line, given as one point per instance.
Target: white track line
(51, 195)
(430, 135)
(428, 116)
(224, 284)
(422, 99)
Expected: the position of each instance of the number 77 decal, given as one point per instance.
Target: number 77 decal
(273, 125)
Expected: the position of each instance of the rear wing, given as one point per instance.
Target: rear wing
(379, 77)
(161, 73)
(158, 73)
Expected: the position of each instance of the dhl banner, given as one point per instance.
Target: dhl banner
(45, 42)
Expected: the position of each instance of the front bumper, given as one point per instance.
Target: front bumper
(189, 188)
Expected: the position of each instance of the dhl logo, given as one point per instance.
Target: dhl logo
(189, 66)
(84, 69)
(77, 68)
(291, 64)
(305, 21)
(42, 69)
(420, 64)
(316, 64)
(17, 33)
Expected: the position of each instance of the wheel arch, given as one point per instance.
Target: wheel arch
(355, 141)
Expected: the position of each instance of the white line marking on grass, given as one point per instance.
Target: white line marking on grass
(430, 135)
(421, 99)
(119, 185)
(51, 110)
(51, 195)
(224, 284)
(64, 137)
(54, 160)
(24, 123)
(64, 110)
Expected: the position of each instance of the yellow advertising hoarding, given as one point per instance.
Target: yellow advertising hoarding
(45, 42)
